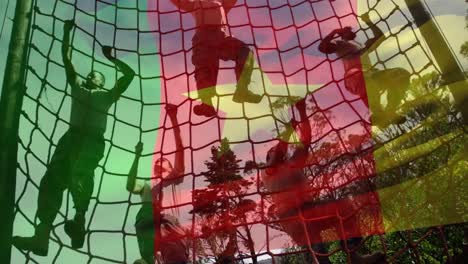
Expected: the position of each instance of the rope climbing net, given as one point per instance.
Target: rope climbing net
(154, 38)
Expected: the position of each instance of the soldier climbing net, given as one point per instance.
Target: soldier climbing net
(154, 38)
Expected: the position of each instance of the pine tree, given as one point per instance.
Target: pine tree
(222, 205)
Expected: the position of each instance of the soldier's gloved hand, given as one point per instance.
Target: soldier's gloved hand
(140, 261)
(139, 148)
(107, 51)
(68, 25)
(365, 17)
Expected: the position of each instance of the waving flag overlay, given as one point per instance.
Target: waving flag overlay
(253, 129)
(352, 156)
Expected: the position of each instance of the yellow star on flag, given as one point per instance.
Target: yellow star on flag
(259, 117)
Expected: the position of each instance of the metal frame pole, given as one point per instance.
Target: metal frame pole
(10, 108)
(451, 71)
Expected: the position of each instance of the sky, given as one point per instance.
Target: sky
(140, 106)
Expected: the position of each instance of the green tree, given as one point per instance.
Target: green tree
(295, 255)
(464, 49)
(464, 46)
(222, 206)
(430, 146)
(429, 151)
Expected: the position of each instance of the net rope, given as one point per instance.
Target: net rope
(44, 119)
